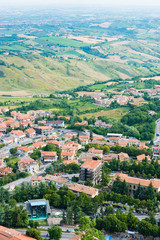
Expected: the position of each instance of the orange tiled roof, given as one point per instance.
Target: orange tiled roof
(91, 164)
(64, 147)
(141, 157)
(25, 149)
(30, 130)
(75, 187)
(69, 154)
(44, 127)
(132, 140)
(97, 137)
(11, 234)
(95, 151)
(136, 181)
(48, 154)
(38, 144)
(6, 170)
(113, 138)
(18, 133)
(71, 161)
(84, 136)
(39, 178)
(123, 155)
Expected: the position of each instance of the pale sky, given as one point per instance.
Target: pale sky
(84, 2)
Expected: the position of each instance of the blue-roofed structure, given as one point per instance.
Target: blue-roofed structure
(38, 209)
(38, 203)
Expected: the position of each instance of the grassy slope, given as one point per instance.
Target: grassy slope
(47, 74)
(114, 113)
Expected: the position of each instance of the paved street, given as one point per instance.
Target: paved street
(12, 185)
(44, 234)
(157, 133)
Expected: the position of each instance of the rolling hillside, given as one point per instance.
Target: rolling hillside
(61, 51)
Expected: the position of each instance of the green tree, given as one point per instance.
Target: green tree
(34, 233)
(55, 232)
(86, 223)
(145, 228)
(132, 173)
(132, 221)
(109, 210)
(13, 151)
(93, 234)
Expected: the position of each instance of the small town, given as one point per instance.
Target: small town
(79, 120)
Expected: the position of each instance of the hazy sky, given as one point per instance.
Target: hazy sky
(92, 2)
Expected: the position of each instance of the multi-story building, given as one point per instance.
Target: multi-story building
(135, 182)
(74, 187)
(67, 155)
(44, 130)
(36, 180)
(30, 132)
(28, 165)
(58, 123)
(92, 170)
(156, 151)
(48, 156)
(5, 171)
(123, 156)
(97, 152)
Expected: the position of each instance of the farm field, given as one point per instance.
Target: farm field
(117, 113)
(60, 52)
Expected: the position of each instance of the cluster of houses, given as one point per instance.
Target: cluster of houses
(102, 100)
(131, 95)
(37, 136)
(140, 93)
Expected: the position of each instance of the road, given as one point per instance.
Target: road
(5, 150)
(44, 234)
(12, 185)
(157, 133)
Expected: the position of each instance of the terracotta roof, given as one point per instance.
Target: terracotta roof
(113, 138)
(123, 142)
(143, 182)
(25, 149)
(39, 178)
(71, 161)
(6, 170)
(38, 144)
(70, 154)
(84, 136)
(141, 157)
(48, 154)
(64, 147)
(54, 142)
(91, 164)
(72, 143)
(95, 151)
(11, 234)
(81, 188)
(68, 135)
(123, 155)
(73, 186)
(30, 130)
(97, 137)
(18, 133)
(25, 162)
(83, 139)
(133, 140)
(44, 127)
